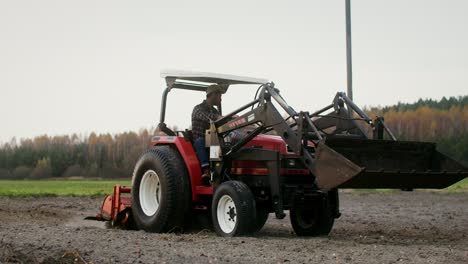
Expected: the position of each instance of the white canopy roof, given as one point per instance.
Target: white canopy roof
(209, 77)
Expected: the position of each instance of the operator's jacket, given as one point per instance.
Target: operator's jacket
(201, 116)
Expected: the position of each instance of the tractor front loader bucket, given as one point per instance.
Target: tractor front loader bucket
(360, 163)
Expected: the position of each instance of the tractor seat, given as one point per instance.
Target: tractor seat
(187, 134)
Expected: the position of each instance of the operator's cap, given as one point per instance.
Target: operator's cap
(215, 88)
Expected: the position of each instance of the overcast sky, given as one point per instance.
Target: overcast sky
(81, 66)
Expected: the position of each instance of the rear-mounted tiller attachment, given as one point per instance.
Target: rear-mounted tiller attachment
(116, 209)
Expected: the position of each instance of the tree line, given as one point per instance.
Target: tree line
(99, 156)
(442, 104)
(444, 122)
(113, 156)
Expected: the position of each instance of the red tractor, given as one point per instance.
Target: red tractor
(285, 160)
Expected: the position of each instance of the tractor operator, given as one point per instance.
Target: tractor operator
(202, 114)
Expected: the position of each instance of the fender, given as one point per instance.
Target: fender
(189, 156)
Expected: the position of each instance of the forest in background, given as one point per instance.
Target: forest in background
(93, 156)
(113, 156)
(444, 122)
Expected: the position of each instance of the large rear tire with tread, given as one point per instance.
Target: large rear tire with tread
(233, 209)
(312, 219)
(161, 194)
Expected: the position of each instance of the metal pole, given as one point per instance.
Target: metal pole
(349, 66)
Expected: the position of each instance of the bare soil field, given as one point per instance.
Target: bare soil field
(399, 227)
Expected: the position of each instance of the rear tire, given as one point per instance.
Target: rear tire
(161, 194)
(314, 218)
(233, 209)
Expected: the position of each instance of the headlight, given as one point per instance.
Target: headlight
(291, 163)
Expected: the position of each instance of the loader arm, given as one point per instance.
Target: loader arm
(266, 116)
(332, 171)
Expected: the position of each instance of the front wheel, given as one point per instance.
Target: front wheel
(314, 218)
(233, 209)
(260, 219)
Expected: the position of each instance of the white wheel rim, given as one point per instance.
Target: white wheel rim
(150, 192)
(227, 214)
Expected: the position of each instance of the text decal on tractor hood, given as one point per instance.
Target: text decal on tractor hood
(163, 138)
(237, 122)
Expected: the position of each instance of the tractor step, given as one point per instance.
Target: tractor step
(205, 190)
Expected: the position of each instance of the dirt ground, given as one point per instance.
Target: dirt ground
(399, 227)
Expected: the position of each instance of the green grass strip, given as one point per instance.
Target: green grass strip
(59, 187)
(461, 186)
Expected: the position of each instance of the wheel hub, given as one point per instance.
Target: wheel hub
(232, 213)
(227, 214)
(150, 192)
